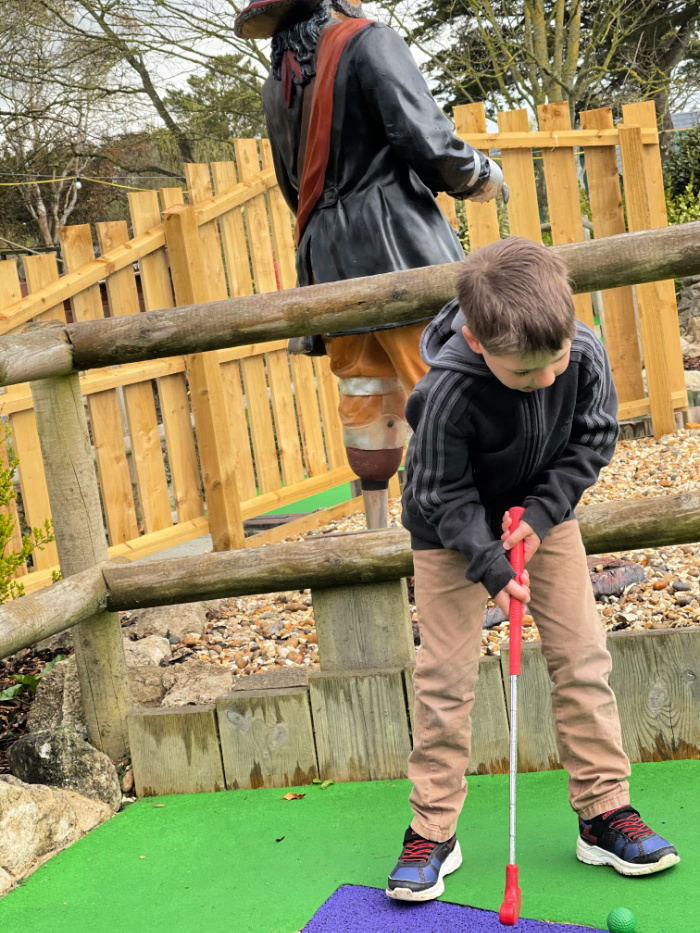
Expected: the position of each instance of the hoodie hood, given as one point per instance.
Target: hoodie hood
(443, 345)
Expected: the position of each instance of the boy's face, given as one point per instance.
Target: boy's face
(523, 373)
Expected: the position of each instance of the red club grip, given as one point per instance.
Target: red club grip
(515, 615)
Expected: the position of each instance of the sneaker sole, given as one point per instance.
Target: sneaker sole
(451, 863)
(593, 855)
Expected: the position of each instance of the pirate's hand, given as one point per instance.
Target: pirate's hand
(492, 187)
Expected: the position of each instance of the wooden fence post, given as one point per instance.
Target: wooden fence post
(81, 542)
(363, 627)
(214, 435)
(562, 193)
(482, 219)
(25, 440)
(619, 317)
(147, 456)
(644, 114)
(648, 297)
(103, 407)
(519, 172)
(172, 389)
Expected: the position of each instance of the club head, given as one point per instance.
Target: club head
(509, 913)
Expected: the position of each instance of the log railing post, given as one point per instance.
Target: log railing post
(364, 627)
(81, 543)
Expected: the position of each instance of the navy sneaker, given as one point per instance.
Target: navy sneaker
(423, 864)
(620, 838)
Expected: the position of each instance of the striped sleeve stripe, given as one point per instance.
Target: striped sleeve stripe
(601, 426)
(429, 475)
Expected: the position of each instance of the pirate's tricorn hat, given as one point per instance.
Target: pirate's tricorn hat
(262, 18)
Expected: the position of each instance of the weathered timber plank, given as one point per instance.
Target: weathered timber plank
(360, 724)
(537, 748)
(656, 678)
(364, 627)
(175, 751)
(490, 740)
(266, 738)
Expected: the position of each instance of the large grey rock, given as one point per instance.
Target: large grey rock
(149, 650)
(146, 684)
(689, 306)
(36, 822)
(62, 759)
(167, 620)
(57, 702)
(62, 641)
(195, 683)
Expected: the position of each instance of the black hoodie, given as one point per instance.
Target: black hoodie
(479, 448)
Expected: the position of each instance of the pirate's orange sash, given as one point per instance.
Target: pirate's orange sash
(318, 144)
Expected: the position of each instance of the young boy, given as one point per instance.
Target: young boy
(518, 408)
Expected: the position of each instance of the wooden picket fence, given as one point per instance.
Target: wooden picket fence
(266, 431)
(268, 434)
(640, 325)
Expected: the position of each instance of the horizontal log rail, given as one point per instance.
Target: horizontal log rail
(320, 562)
(29, 619)
(374, 557)
(626, 259)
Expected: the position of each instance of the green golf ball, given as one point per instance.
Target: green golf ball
(621, 920)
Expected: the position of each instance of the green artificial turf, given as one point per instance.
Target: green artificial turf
(322, 500)
(251, 862)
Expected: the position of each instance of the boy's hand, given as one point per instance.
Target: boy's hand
(524, 533)
(517, 590)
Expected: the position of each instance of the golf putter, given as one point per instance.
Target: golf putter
(510, 908)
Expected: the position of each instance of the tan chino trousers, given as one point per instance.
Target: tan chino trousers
(450, 611)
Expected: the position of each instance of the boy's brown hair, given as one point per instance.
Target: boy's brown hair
(516, 298)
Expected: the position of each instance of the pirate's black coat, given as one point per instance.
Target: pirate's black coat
(391, 148)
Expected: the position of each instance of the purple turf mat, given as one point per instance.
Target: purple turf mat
(355, 909)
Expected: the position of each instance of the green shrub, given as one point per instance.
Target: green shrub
(683, 208)
(683, 164)
(38, 538)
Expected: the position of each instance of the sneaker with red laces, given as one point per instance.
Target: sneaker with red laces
(422, 866)
(621, 839)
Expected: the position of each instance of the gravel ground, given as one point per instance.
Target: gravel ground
(259, 633)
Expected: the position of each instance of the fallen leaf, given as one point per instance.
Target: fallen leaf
(291, 796)
(280, 839)
(142, 856)
(155, 805)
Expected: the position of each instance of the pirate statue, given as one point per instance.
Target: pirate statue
(360, 148)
